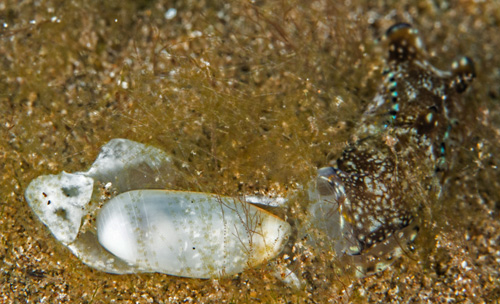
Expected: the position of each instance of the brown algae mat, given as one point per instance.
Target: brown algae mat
(248, 97)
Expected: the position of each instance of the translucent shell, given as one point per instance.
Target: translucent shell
(188, 234)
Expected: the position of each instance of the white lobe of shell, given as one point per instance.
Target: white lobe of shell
(189, 234)
(59, 201)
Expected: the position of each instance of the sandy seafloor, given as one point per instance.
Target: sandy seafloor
(248, 97)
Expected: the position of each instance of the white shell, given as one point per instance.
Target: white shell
(240, 235)
(189, 234)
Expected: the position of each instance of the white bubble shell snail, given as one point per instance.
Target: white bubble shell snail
(182, 233)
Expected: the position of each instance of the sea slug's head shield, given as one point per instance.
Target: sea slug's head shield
(353, 245)
(369, 201)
